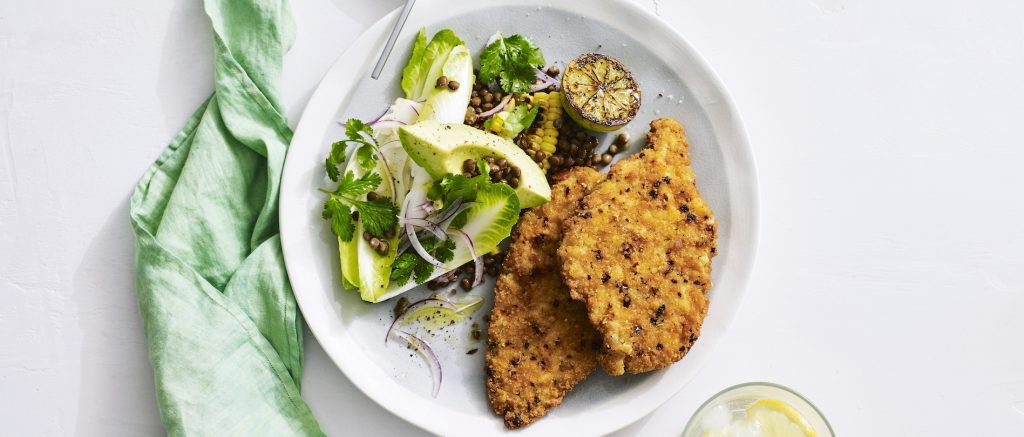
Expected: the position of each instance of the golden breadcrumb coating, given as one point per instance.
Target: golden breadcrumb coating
(539, 341)
(638, 253)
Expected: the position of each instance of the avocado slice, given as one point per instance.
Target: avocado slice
(441, 148)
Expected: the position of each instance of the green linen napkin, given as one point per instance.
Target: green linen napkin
(224, 332)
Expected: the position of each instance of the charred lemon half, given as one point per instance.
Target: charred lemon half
(599, 92)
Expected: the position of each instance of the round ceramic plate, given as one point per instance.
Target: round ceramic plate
(675, 82)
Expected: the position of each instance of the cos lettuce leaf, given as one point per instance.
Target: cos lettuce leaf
(446, 105)
(426, 63)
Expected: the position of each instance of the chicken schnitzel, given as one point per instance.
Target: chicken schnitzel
(539, 341)
(638, 253)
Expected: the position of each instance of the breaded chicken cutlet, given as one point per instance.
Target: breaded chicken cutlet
(638, 253)
(539, 341)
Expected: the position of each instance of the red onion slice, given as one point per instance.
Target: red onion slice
(545, 77)
(427, 207)
(540, 86)
(387, 123)
(496, 109)
(450, 210)
(415, 106)
(545, 81)
(428, 225)
(451, 217)
(415, 241)
(382, 114)
(428, 354)
(478, 262)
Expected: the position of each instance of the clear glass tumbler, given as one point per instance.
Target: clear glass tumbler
(726, 413)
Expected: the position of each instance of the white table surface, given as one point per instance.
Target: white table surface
(888, 286)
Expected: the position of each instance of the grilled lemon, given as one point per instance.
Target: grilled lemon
(599, 92)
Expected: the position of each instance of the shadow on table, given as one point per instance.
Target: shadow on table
(116, 383)
(185, 75)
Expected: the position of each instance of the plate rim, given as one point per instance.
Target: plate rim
(423, 417)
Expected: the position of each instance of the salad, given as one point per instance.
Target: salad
(438, 179)
(427, 190)
(419, 193)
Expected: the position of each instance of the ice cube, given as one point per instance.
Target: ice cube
(717, 418)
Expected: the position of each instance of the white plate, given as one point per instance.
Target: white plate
(352, 332)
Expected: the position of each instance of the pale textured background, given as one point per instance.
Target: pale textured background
(888, 286)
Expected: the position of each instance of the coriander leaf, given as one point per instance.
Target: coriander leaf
(445, 251)
(354, 126)
(401, 270)
(378, 215)
(349, 186)
(517, 78)
(456, 186)
(354, 130)
(411, 265)
(422, 271)
(511, 61)
(341, 218)
(366, 158)
(335, 158)
(527, 49)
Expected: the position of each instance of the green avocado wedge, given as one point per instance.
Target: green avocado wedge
(441, 148)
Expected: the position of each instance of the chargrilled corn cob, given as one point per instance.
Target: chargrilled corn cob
(542, 136)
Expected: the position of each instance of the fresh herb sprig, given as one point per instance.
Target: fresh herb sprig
(512, 61)
(410, 265)
(456, 186)
(360, 134)
(378, 215)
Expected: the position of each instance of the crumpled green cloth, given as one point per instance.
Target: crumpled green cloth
(224, 331)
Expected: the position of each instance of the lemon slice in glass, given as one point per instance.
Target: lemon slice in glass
(778, 419)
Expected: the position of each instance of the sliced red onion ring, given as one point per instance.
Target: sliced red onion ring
(545, 81)
(496, 109)
(415, 241)
(421, 222)
(545, 77)
(540, 86)
(415, 106)
(478, 262)
(451, 217)
(405, 215)
(382, 114)
(450, 210)
(428, 354)
(425, 303)
(426, 224)
(388, 123)
(427, 207)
